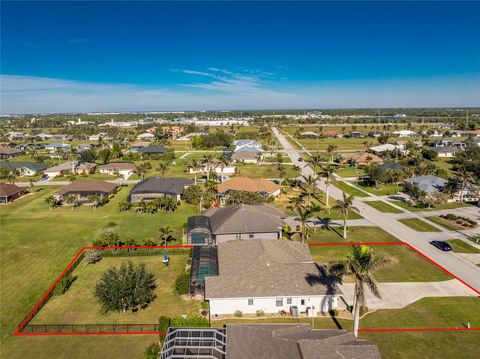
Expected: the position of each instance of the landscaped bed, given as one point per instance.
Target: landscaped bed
(418, 225)
(79, 305)
(454, 222)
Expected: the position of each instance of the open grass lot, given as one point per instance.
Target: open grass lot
(382, 190)
(383, 207)
(349, 190)
(436, 207)
(79, 306)
(445, 223)
(265, 171)
(409, 266)
(350, 171)
(418, 225)
(460, 246)
(427, 312)
(38, 243)
(354, 234)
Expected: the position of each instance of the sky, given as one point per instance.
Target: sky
(172, 56)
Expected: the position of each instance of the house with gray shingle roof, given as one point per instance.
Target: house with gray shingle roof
(155, 187)
(270, 276)
(24, 168)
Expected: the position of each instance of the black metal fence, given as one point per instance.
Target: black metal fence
(89, 328)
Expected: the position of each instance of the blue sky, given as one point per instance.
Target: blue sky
(122, 56)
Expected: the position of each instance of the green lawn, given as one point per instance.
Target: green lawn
(38, 243)
(383, 207)
(350, 171)
(418, 225)
(265, 171)
(462, 247)
(349, 190)
(79, 306)
(382, 190)
(446, 224)
(409, 266)
(333, 234)
(450, 205)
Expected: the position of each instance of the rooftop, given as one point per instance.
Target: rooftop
(248, 185)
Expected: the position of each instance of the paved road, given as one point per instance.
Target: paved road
(454, 263)
(399, 295)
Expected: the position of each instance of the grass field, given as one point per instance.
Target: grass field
(409, 266)
(418, 225)
(79, 306)
(350, 171)
(462, 247)
(436, 207)
(349, 190)
(38, 243)
(383, 207)
(354, 234)
(382, 190)
(265, 171)
(447, 224)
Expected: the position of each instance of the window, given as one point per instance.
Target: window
(250, 235)
(238, 236)
(289, 300)
(250, 302)
(302, 302)
(279, 302)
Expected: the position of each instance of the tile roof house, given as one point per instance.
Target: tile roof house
(155, 187)
(84, 188)
(262, 186)
(10, 192)
(125, 169)
(362, 158)
(73, 167)
(270, 276)
(8, 152)
(266, 341)
(25, 168)
(241, 221)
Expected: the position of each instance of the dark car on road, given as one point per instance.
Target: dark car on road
(300, 159)
(444, 246)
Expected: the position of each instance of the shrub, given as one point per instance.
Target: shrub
(260, 313)
(189, 322)
(205, 305)
(238, 314)
(163, 324)
(124, 288)
(451, 217)
(92, 257)
(182, 283)
(152, 351)
(65, 283)
(363, 310)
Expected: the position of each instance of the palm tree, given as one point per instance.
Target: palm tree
(314, 209)
(331, 149)
(315, 161)
(309, 186)
(223, 162)
(465, 178)
(328, 174)
(142, 169)
(208, 161)
(361, 264)
(195, 166)
(50, 201)
(296, 201)
(162, 168)
(343, 207)
(71, 200)
(303, 216)
(165, 234)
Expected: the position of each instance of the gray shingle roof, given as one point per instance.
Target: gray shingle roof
(264, 268)
(153, 150)
(242, 218)
(162, 185)
(446, 149)
(393, 166)
(428, 184)
(295, 341)
(35, 166)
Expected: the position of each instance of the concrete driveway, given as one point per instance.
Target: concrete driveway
(399, 295)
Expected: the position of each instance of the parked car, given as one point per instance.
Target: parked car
(444, 246)
(300, 159)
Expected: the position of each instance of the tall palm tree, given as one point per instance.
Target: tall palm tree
(343, 207)
(224, 162)
(465, 178)
(328, 174)
(314, 209)
(361, 264)
(309, 186)
(165, 234)
(315, 161)
(208, 161)
(162, 168)
(331, 150)
(195, 166)
(303, 216)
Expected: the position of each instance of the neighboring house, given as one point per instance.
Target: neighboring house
(10, 192)
(247, 146)
(450, 142)
(331, 134)
(125, 169)
(279, 341)
(261, 186)
(270, 276)
(54, 147)
(135, 146)
(247, 157)
(43, 136)
(388, 147)
(153, 150)
(215, 167)
(404, 133)
(8, 152)
(361, 158)
(432, 184)
(156, 187)
(309, 134)
(72, 167)
(173, 131)
(191, 135)
(99, 136)
(25, 168)
(241, 221)
(84, 188)
(12, 135)
(146, 136)
(446, 151)
(355, 134)
(391, 166)
(86, 146)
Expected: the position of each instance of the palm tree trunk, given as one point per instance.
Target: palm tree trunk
(345, 226)
(327, 195)
(195, 176)
(356, 314)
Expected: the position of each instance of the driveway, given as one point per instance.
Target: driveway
(399, 295)
(454, 263)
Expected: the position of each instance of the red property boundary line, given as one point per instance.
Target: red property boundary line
(374, 330)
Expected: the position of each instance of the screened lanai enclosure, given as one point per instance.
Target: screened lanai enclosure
(204, 263)
(199, 230)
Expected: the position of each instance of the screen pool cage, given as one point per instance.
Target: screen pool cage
(199, 230)
(204, 263)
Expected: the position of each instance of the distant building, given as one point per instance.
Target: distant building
(261, 186)
(10, 192)
(153, 150)
(404, 133)
(9, 152)
(446, 151)
(72, 167)
(146, 136)
(361, 158)
(85, 188)
(124, 169)
(309, 134)
(55, 147)
(388, 147)
(156, 187)
(25, 168)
